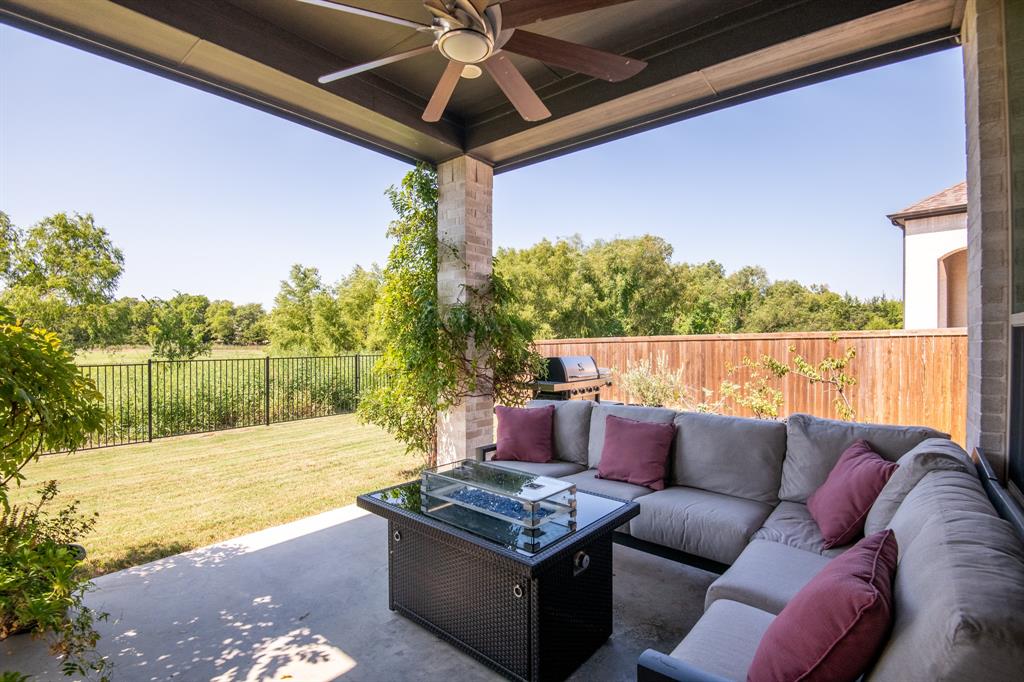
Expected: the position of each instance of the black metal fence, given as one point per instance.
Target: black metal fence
(162, 398)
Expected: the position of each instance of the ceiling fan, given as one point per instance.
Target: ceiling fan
(474, 33)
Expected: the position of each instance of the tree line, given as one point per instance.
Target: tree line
(631, 287)
(62, 274)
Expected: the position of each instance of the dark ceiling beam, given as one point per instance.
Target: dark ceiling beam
(267, 105)
(759, 25)
(848, 65)
(226, 25)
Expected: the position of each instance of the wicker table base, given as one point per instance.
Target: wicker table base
(527, 617)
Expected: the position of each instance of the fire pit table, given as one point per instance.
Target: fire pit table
(527, 589)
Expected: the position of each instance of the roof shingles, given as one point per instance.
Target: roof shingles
(950, 200)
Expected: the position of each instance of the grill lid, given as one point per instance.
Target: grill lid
(572, 368)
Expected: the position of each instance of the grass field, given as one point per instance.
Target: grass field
(165, 497)
(129, 354)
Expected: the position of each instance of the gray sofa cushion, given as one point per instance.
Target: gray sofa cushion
(791, 524)
(766, 576)
(732, 455)
(813, 446)
(572, 428)
(959, 603)
(701, 522)
(933, 454)
(600, 412)
(555, 468)
(589, 482)
(937, 492)
(724, 640)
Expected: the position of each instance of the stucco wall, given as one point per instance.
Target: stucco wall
(927, 241)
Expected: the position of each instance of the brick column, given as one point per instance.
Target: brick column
(988, 228)
(464, 222)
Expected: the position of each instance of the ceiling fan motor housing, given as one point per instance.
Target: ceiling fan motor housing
(465, 45)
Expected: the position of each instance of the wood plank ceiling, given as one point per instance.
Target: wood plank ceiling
(702, 55)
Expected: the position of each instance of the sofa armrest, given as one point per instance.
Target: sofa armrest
(482, 451)
(654, 666)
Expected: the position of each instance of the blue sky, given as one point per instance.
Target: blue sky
(208, 196)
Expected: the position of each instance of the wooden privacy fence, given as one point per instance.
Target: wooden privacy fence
(903, 377)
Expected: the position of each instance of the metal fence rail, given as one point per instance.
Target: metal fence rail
(162, 398)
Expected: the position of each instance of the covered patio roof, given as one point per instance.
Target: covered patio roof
(702, 55)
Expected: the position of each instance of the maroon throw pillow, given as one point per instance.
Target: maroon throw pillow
(835, 626)
(842, 503)
(635, 452)
(525, 434)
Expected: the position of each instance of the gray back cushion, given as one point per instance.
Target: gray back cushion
(958, 603)
(813, 446)
(572, 428)
(730, 455)
(658, 415)
(933, 454)
(937, 492)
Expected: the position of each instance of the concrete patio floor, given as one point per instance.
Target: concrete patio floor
(307, 602)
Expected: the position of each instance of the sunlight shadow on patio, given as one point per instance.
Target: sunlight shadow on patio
(308, 601)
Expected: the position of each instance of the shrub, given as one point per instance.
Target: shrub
(42, 587)
(652, 383)
(46, 404)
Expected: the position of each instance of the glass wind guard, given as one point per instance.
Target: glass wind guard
(512, 497)
(589, 509)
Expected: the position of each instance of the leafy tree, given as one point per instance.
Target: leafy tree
(141, 319)
(435, 356)
(113, 324)
(45, 402)
(306, 317)
(630, 287)
(179, 330)
(357, 295)
(220, 317)
(10, 241)
(291, 322)
(250, 324)
(635, 284)
(556, 294)
(59, 271)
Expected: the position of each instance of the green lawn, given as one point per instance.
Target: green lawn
(165, 497)
(129, 354)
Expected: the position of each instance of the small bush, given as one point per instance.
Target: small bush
(42, 586)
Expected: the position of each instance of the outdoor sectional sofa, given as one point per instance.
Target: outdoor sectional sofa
(735, 502)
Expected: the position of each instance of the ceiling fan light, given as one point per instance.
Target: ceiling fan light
(465, 45)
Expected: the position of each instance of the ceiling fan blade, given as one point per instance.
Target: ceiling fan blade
(515, 87)
(443, 92)
(522, 12)
(440, 10)
(573, 56)
(419, 26)
(470, 10)
(366, 66)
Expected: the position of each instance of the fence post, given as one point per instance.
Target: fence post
(266, 390)
(357, 377)
(149, 397)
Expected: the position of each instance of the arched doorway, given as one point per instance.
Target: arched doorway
(953, 289)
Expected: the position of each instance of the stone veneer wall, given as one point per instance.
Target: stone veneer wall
(465, 188)
(988, 223)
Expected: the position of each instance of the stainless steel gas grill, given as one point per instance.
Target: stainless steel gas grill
(573, 377)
